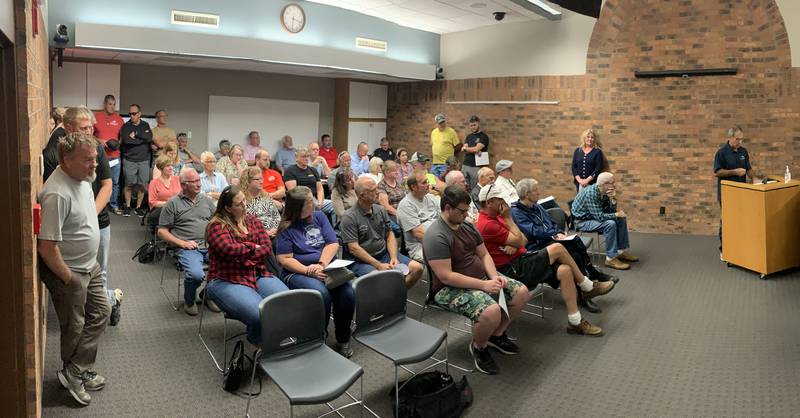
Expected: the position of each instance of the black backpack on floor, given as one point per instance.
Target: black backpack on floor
(433, 395)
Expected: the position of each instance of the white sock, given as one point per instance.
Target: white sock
(586, 285)
(609, 258)
(574, 318)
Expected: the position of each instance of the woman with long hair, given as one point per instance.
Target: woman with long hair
(258, 201)
(233, 165)
(170, 151)
(238, 247)
(305, 245)
(343, 196)
(587, 160)
(404, 167)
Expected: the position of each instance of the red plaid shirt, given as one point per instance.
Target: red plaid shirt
(235, 258)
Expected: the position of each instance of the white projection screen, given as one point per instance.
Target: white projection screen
(232, 118)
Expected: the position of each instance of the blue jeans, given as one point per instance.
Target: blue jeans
(341, 299)
(191, 261)
(115, 171)
(361, 269)
(615, 233)
(102, 259)
(438, 170)
(241, 302)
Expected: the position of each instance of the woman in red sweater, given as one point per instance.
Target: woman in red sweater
(238, 246)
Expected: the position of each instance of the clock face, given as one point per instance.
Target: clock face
(293, 18)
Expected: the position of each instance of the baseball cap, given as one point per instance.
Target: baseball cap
(488, 192)
(502, 165)
(420, 157)
(440, 118)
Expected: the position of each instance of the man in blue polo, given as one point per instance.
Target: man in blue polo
(732, 162)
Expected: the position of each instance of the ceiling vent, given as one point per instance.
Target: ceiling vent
(372, 44)
(203, 20)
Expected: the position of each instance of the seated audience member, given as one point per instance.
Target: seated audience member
(182, 224)
(305, 245)
(212, 183)
(273, 181)
(384, 152)
(224, 149)
(464, 280)
(183, 147)
(540, 229)
(457, 178)
(485, 176)
(343, 196)
(238, 247)
(595, 210)
(318, 162)
(423, 162)
(343, 162)
(452, 164)
(360, 160)
(253, 146)
(233, 165)
(161, 188)
(552, 265)
(505, 181)
(171, 151)
(368, 236)
(404, 167)
(258, 201)
(375, 170)
(286, 155)
(390, 190)
(328, 151)
(301, 174)
(416, 212)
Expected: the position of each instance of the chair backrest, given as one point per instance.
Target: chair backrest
(559, 217)
(291, 322)
(380, 300)
(570, 219)
(430, 298)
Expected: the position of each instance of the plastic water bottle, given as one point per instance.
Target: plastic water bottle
(787, 176)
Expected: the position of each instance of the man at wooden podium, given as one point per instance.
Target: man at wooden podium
(732, 162)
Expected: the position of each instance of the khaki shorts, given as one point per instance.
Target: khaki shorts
(471, 302)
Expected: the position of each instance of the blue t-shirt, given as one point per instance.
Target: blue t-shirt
(305, 240)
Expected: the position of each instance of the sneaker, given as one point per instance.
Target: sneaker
(140, 212)
(615, 263)
(345, 350)
(624, 256)
(126, 212)
(483, 359)
(115, 310)
(93, 381)
(503, 344)
(599, 289)
(190, 310)
(585, 328)
(212, 306)
(74, 384)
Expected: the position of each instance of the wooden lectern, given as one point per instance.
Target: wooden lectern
(761, 225)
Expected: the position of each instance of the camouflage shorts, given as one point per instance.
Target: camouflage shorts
(470, 302)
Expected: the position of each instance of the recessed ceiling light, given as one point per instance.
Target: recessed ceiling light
(477, 5)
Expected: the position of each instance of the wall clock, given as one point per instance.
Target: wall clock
(293, 18)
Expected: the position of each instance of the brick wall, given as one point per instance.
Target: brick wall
(33, 89)
(660, 135)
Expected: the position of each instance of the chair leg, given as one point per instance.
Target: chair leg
(161, 285)
(252, 379)
(396, 394)
(202, 340)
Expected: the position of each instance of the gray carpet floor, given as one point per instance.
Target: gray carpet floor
(685, 336)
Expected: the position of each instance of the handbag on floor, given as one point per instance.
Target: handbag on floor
(235, 372)
(433, 395)
(147, 253)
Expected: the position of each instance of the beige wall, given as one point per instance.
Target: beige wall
(539, 47)
(790, 10)
(184, 93)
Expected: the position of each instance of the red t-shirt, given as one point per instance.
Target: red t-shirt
(494, 231)
(106, 128)
(272, 180)
(330, 155)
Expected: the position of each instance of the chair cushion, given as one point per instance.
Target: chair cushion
(405, 342)
(313, 377)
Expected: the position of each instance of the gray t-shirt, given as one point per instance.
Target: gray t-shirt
(460, 246)
(369, 230)
(185, 219)
(411, 213)
(69, 218)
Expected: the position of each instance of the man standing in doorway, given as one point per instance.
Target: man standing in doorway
(136, 140)
(106, 130)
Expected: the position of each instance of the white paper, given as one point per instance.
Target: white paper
(546, 199)
(402, 268)
(482, 159)
(501, 300)
(113, 162)
(337, 264)
(569, 237)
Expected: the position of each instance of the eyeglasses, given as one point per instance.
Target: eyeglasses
(190, 181)
(462, 211)
(134, 113)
